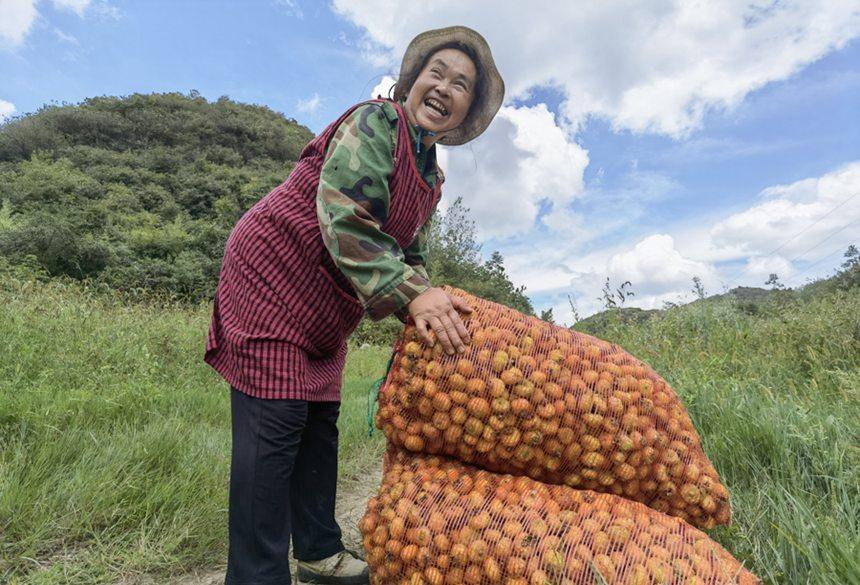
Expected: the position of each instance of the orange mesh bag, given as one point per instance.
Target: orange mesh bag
(531, 398)
(437, 521)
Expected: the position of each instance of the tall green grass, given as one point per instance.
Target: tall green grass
(776, 399)
(115, 436)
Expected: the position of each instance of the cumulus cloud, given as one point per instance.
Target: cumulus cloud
(645, 66)
(309, 105)
(6, 110)
(794, 218)
(796, 227)
(523, 160)
(18, 18)
(655, 266)
(383, 87)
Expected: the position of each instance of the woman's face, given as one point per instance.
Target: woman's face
(441, 95)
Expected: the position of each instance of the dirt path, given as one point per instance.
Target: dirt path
(351, 503)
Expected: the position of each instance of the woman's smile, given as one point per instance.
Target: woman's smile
(441, 95)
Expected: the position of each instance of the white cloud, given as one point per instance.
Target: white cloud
(654, 266)
(383, 87)
(76, 6)
(645, 66)
(521, 161)
(806, 224)
(795, 218)
(66, 38)
(6, 110)
(18, 18)
(309, 105)
(291, 7)
(759, 268)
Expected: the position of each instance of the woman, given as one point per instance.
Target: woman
(344, 235)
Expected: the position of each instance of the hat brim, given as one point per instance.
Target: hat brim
(494, 91)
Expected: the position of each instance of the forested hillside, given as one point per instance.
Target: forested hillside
(140, 193)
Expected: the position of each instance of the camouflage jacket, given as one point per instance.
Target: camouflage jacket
(352, 206)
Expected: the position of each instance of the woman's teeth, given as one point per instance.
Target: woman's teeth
(436, 105)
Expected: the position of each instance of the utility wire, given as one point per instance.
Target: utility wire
(807, 228)
(814, 264)
(804, 230)
(843, 228)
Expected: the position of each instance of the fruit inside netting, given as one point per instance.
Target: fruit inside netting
(436, 520)
(531, 398)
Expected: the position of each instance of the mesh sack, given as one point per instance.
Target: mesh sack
(436, 520)
(559, 406)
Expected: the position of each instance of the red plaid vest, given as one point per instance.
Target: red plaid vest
(283, 311)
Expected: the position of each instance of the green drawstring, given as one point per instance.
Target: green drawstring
(373, 394)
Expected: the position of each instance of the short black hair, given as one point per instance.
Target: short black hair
(404, 84)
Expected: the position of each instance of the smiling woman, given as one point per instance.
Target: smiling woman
(344, 235)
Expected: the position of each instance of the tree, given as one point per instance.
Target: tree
(773, 282)
(849, 276)
(454, 259)
(547, 316)
(698, 288)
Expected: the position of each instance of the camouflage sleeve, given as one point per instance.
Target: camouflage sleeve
(352, 205)
(416, 256)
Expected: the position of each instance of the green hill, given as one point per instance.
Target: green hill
(139, 193)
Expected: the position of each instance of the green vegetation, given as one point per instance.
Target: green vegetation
(775, 395)
(139, 194)
(114, 435)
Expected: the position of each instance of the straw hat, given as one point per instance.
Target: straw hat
(485, 106)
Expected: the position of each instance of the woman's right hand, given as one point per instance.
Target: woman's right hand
(437, 310)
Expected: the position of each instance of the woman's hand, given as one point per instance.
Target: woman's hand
(438, 310)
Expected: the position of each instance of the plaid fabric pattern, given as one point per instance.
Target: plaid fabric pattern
(283, 311)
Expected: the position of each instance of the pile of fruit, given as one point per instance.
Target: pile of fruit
(437, 521)
(564, 415)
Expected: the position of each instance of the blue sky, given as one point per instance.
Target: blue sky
(633, 144)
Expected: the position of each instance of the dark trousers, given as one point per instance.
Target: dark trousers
(283, 481)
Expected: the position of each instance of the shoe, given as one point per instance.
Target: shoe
(343, 568)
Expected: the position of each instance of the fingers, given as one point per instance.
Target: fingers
(421, 326)
(460, 304)
(462, 332)
(442, 333)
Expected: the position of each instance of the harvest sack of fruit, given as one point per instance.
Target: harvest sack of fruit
(436, 520)
(531, 398)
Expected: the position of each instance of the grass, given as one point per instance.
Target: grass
(776, 399)
(114, 435)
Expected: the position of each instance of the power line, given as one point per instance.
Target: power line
(807, 228)
(804, 230)
(811, 266)
(843, 228)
